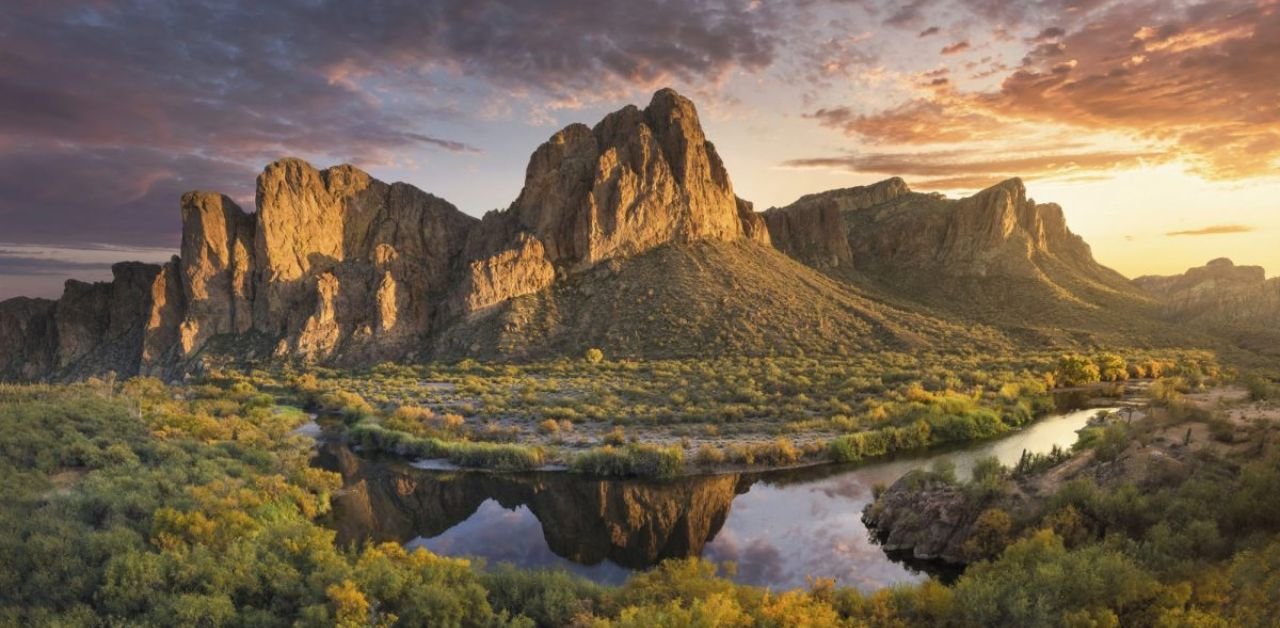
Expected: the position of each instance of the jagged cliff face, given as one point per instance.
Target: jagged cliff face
(216, 269)
(997, 258)
(996, 232)
(1217, 294)
(813, 229)
(638, 180)
(337, 266)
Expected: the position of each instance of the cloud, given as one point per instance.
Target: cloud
(932, 30)
(1197, 80)
(125, 195)
(23, 265)
(908, 13)
(1048, 34)
(1201, 79)
(916, 122)
(956, 48)
(109, 110)
(1213, 230)
(969, 169)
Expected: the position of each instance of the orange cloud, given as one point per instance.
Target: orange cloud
(1213, 230)
(956, 48)
(914, 122)
(1200, 81)
(965, 169)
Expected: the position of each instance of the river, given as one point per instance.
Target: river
(779, 527)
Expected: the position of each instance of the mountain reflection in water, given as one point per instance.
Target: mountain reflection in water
(783, 526)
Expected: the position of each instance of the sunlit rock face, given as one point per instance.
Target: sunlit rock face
(217, 268)
(631, 523)
(637, 180)
(346, 265)
(813, 229)
(338, 267)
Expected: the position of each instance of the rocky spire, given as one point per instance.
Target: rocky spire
(637, 180)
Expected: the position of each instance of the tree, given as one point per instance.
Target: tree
(594, 356)
(990, 534)
(1076, 370)
(1112, 367)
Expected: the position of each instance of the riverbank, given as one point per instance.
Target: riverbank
(503, 418)
(604, 528)
(1208, 435)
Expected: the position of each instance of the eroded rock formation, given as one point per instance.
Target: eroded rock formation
(1218, 293)
(337, 266)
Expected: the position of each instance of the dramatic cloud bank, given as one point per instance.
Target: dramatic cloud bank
(110, 110)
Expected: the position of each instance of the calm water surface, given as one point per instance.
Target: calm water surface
(779, 527)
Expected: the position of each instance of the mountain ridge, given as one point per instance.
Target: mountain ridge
(626, 235)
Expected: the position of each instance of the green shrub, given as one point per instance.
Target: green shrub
(640, 460)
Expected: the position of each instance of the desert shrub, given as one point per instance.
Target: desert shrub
(350, 406)
(1261, 388)
(1107, 442)
(638, 460)
(709, 455)
(494, 456)
(616, 437)
(1076, 370)
(1112, 367)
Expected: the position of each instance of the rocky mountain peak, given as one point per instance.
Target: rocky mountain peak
(637, 180)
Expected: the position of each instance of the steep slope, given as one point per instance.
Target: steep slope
(699, 299)
(996, 257)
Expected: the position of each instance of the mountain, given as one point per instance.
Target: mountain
(996, 257)
(1236, 301)
(626, 236)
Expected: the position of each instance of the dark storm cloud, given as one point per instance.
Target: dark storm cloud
(1048, 34)
(109, 110)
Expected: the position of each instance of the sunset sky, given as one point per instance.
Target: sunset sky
(1156, 125)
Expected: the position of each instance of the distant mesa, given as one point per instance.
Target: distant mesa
(627, 235)
(1222, 296)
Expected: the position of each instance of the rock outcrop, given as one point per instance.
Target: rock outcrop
(996, 258)
(813, 229)
(26, 337)
(216, 261)
(927, 518)
(637, 180)
(339, 267)
(1219, 293)
(996, 232)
